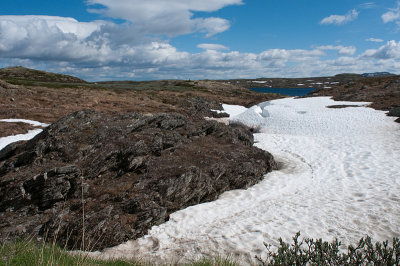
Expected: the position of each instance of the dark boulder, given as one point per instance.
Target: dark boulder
(107, 179)
(394, 111)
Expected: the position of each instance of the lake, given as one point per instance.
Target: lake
(285, 91)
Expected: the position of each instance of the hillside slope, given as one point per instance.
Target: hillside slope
(23, 73)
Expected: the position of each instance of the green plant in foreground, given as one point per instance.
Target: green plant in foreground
(318, 252)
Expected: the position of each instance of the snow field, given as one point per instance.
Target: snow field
(339, 178)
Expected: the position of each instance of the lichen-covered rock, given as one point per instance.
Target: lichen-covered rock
(116, 176)
(201, 107)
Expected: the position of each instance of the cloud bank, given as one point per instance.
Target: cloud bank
(139, 48)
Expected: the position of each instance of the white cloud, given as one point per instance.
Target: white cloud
(212, 26)
(345, 61)
(52, 38)
(367, 5)
(392, 15)
(341, 50)
(286, 55)
(212, 46)
(172, 17)
(329, 47)
(374, 40)
(65, 25)
(391, 50)
(275, 54)
(351, 50)
(340, 19)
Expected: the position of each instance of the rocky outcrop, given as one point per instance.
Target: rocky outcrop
(394, 111)
(382, 92)
(200, 107)
(107, 179)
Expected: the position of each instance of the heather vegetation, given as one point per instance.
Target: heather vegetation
(318, 252)
(301, 252)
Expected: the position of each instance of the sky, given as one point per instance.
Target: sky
(209, 39)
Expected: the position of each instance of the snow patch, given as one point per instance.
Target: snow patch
(31, 133)
(233, 110)
(31, 122)
(10, 139)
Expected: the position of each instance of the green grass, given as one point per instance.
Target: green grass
(24, 252)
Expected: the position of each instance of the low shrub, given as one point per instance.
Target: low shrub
(319, 252)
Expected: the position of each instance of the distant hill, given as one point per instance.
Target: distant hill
(377, 74)
(348, 76)
(23, 73)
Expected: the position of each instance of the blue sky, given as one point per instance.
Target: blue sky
(208, 39)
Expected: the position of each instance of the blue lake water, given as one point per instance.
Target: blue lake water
(285, 91)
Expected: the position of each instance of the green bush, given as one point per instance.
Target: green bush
(318, 252)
